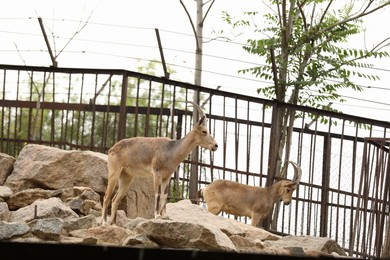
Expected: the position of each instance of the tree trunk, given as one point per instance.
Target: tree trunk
(197, 81)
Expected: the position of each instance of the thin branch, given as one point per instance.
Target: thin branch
(364, 13)
(302, 14)
(192, 24)
(77, 32)
(325, 12)
(208, 9)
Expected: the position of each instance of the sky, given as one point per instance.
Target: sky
(121, 34)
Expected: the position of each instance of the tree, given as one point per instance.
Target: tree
(304, 47)
(197, 29)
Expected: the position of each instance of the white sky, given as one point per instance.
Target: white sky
(120, 32)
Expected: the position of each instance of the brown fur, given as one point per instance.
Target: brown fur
(145, 156)
(244, 200)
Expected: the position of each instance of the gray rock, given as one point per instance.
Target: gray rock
(12, 229)
(47, 229)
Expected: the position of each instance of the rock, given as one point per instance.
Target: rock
(55, 196)
(105, 235)
(177, 234)
(140, 198)
(308, 244)
(185, 211)
(5, 193)
(24, 198)
(52, 207)
(47, 229)
(141, 241)
(12, 229)
(39, 166)
(7, 164)
(86, 222)
(4, 212)
(50, 168)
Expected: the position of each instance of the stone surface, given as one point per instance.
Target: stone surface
(7, 164)
(55, 196)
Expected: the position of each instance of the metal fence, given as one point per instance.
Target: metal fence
(344, 190)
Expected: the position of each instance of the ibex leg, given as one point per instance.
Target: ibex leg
(124, 184)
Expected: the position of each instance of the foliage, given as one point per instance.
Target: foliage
(314, 60)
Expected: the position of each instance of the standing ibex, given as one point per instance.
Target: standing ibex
(249, 201)
(157, 156)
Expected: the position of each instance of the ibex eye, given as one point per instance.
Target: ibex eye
(204, 132)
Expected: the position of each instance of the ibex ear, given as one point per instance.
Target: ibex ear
(292, 185)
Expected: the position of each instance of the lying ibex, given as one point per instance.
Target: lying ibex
(159, 156)
(249, 201)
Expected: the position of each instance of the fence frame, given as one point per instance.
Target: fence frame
(123, 110)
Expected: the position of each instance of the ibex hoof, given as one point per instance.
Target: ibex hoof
(161, 217)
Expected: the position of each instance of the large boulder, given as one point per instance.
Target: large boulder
(7, 164)
(39, 166)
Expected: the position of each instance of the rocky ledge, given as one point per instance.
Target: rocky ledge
(48, 195)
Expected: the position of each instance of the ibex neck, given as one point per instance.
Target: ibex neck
(183, 147)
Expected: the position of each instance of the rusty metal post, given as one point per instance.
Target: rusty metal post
(325, 186)
(122, 109)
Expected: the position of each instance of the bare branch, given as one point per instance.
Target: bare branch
(192, 24)
(77, 32)
(208, 9)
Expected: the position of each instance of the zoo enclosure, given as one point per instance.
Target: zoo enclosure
(344, 190)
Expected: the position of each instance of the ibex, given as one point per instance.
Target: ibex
(249, 201)
(157, 156)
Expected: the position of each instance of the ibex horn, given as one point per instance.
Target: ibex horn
(200, 111)
(297, 172)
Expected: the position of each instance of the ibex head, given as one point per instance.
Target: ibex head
(288, 187)
(201, 132)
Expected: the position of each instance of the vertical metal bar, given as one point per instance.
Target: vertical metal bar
(356, 231)
(325, 185)
(136, 108)
(353, 183)
(30, 112)
(147, 116)
(161, 109)
(52, 135)
(385, 208)
(261, 170)
(17, 141)
(248, 142)
(212, 154)
(2, 114)
(224, 129)
(236, 139)
(122, 109)
(339, 179)
(65, 137)
(107, 118)
(79, 115)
